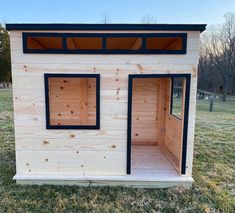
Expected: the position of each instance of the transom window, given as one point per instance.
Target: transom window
(124, 43)
(164, 43)
(105, 43)
(84, 43)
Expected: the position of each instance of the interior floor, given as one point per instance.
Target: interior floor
(150, 161)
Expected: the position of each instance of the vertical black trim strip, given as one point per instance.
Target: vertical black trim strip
(98, 102)
(144, 43)
(129, 120)
(172, 90)
(64, 42)
(24, 40)
(47, 103)
(185, 130)
(184, 44)
(104, 43)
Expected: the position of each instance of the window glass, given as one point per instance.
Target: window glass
(84, 43)
(124, 43)
(44, 43)
(177, 96)
(164, 43)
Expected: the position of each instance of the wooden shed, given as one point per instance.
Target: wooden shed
(104, 104)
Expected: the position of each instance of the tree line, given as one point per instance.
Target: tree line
(5, 59)
(216, 70)
(217, 58)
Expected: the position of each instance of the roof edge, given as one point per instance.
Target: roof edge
(180, 27)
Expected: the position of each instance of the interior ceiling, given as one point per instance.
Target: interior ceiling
(132, 43)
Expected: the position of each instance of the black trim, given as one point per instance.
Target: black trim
(172, 84)
(129, 114)
(96, 76)
(171, 103)
(186, 114)
(185, 130)
(104, 36)
(181, 27)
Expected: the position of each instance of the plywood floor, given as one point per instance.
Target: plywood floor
(149, 161)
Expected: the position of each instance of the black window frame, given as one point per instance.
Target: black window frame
(172, 98)
(64, 50)
(57, 75)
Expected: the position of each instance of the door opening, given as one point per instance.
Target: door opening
(158, 108)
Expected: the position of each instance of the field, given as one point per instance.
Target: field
(213, 171)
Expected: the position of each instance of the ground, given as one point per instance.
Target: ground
(213, 171)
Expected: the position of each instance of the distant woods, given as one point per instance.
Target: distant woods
(217, 58)
(5, 61)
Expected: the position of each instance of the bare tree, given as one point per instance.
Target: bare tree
(105, 18)
(148, 19)
(218, 49)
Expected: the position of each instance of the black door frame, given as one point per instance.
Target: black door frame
(186, 114)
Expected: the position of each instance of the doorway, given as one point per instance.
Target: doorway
(158, 107)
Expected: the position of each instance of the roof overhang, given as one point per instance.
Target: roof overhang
(175, 27)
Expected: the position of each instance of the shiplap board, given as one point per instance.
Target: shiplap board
(42, 132)
(39, 120)
(77, 144)
(38, 95)
(28, 69)
(81, 157)
(72, 168)
(19, 58)
(111, 108)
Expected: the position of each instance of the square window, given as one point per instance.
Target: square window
(177, 89)
(72, 101)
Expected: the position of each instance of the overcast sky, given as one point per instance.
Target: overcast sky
(119, 11)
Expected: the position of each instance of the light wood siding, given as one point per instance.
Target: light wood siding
(100, 152)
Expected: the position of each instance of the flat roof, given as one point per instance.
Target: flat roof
(57, 26)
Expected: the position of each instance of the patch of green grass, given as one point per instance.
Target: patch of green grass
(213, 171)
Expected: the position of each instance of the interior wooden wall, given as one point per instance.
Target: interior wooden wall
(173, 137)
(145, 93)
(72, 101)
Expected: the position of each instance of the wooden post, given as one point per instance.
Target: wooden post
(211, 103)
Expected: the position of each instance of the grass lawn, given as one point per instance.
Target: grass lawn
(213, 171)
